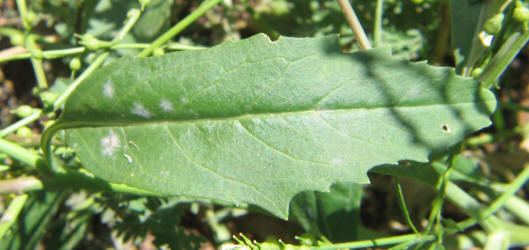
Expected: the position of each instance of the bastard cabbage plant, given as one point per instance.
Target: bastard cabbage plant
(285, 125)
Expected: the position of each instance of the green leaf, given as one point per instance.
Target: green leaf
(334, 214)
(258, 121)
(465, 17)
(154, 20)
(33, 221)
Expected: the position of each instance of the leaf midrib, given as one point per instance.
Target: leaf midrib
(250, 115)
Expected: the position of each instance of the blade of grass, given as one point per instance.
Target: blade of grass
(11, 214)
(403, 207)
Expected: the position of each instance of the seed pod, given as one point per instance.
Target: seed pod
(17, 39)
(23, 111)
(75, 64)
(494, 24)
(477, 72)
(520, 13)
(158, 52)
(24, 132)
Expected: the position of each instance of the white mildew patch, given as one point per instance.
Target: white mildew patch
(139, 110)
(134, 145)
(194, 113)
(166, 105)
(184, 100)
(337, 161)
(129, 159)
(108, 89)
(109, 144)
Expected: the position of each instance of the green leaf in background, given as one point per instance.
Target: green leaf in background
(334, 214)
(34, 220)
(465, 29)
(258, 121)
(467, 18)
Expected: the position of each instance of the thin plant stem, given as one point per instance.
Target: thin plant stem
(377, 30)
(36, 61)
(378, 242)
(437, 205)
(11, 214)
(179, 46)
(511, 189)
(22, 11)
(513, 106)
(50, 54)
(20, 123)
(53, 54)
(20, 185)
(42, 82)
(518, 207)
(60, 100)
(19, 153)
(175, 30)
(403, 207)
(93, 66)
(32, 46)
(133, 17)
(439, 199)
(355, 25)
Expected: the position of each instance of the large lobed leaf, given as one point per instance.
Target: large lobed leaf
(258, 121)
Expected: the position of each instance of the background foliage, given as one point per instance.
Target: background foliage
(471, 196)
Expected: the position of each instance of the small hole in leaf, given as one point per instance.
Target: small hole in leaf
(445, 128)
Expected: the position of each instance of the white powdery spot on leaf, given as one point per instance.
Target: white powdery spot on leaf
(337, 161)
(166, 105)
(109, 144)
(108, 89)
(139, 110)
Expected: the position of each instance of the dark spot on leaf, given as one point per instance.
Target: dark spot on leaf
(445, 128)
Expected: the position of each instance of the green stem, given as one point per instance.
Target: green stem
(437, 206)
(377, 30)
(403, 207)
(69, 180)
(133, 17)
(509, 191)
(503, 58)
(20, 185)
(469, 205)
(175, 30)
(519, 208)
(11, 214)
(22, 11)
(53, 54)
(21, 123)
(5, 31)
(379, 242)
(50, 54)
(93, 66)
(355, 25)
(513, 106)
(42, 82)
(170, 46)
(489, 138)
(14, 150)
(179, 46)
(36, 61)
